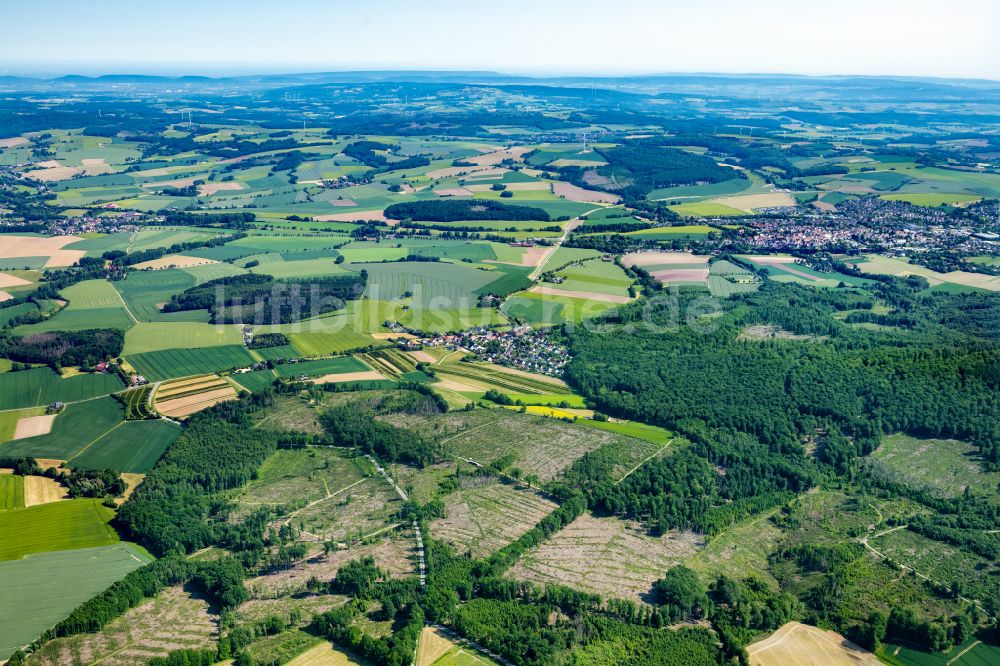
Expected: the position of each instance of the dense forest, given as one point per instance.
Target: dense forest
(456, 210)
(260, 299)
(636, 169)
(64, 348)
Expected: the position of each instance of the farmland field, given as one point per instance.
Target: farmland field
(335, 365)
(41, 386)
(133, 447)
(151, 337)
(181, 398)
(170, 363)
(11, 492)
(78, 426)
(43, 588)
(794, 641)
(79, 523)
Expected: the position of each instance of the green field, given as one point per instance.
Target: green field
(258, 380)
(132, 446)
(136, 402)
(92, 304)
(41, 589)
(326, 366)
(151, 337)
(143, 291)
(63, 525)
(78, 426)
(42, 386)
(172, 363)
(973, 652)
(11, 492)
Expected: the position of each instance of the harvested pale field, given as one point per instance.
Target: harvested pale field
(343, 203)
(855, 189)
(797, 644)
(751, 202)
(325, 654)
(42, 490)
(5, 296)
(451, 172)
(209, 189)
(8, 280)
(394, 555)
(13, 142)
(42, 246)
(188, 405)
(824, 206)
(174, 261)
(532, 256)
(454, 192)
(46, 463)
(432, 646)
(681, 275)
(132, 482)
(32, 426)
(460, 387)
(658, 258)
(53, 174)
(890, 266)
(363, 376)
(421, 357)
(393, 336)
(587, 295)
(496, 157)
(609, 556)
(364, 215)
(770, 259)
(172, 620)
(575, 193)
(488, 174)
(486, 518)
(48, 164)
(173, 389)
(93, 161)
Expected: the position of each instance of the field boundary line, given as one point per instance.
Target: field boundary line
(95, 440)
(124, 304)
(905, 567)
(322, 499)
(962, 653)
(464, 432)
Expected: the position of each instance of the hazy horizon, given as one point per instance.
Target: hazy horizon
(558, 38)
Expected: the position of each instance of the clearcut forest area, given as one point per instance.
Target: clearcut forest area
(345, 370)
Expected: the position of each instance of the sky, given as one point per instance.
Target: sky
(957, 38)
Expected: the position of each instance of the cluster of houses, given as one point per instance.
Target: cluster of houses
(521, 347)
(866, 224)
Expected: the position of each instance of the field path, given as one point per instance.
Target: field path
(864, 542)
(417, 536)
(124, 304)
(570, 226)
(471, 644)
(645, 460)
